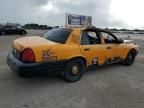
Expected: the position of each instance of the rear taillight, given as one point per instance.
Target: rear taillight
(27, 55)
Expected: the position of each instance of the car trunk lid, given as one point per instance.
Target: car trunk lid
(39, 46)
(32, 42)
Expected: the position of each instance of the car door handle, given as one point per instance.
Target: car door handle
(108, 47)
(86, 49)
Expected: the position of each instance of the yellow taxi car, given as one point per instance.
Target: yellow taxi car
(69, 51)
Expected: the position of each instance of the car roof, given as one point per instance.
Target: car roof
(92, 28)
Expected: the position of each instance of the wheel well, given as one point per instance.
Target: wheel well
(133, 51)
(79, 57)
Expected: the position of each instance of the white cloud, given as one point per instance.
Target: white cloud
(49, 7)
(129, 11)
(105, 13)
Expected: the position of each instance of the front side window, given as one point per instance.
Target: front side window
(59, 35)
(90, 37)
(108, 38)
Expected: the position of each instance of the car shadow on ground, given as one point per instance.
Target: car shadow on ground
(103, 68)
(52, 79)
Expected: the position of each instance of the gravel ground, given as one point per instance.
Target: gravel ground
(111, 86)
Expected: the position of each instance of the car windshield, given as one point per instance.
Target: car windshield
(59, 35)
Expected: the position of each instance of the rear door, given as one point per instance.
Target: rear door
(91, 47)
(8, 29)
(14, 30)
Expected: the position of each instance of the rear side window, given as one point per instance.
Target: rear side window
(90, 37)
(59, 35)
(85, 39)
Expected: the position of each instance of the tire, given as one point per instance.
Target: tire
(22, 33)
(73, 70)
(129, 59)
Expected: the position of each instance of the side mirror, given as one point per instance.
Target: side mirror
(120, 41)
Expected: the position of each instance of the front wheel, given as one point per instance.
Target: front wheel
(129, 59)
(74, 70)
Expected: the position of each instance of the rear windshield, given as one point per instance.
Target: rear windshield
(59, 35)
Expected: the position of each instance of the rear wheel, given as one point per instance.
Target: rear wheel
(74, 70)
(3, 33)
(129, 59)
(22, 33)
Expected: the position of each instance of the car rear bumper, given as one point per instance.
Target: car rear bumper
(52, 68)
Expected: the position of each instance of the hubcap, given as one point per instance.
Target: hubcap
(75, 70)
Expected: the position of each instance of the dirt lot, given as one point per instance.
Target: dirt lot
(111, 86)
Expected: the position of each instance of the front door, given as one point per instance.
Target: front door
(113, 49)
(91, 47)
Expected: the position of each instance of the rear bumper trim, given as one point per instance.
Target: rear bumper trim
(16, 65)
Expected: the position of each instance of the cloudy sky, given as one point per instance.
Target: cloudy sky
(105, 13)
